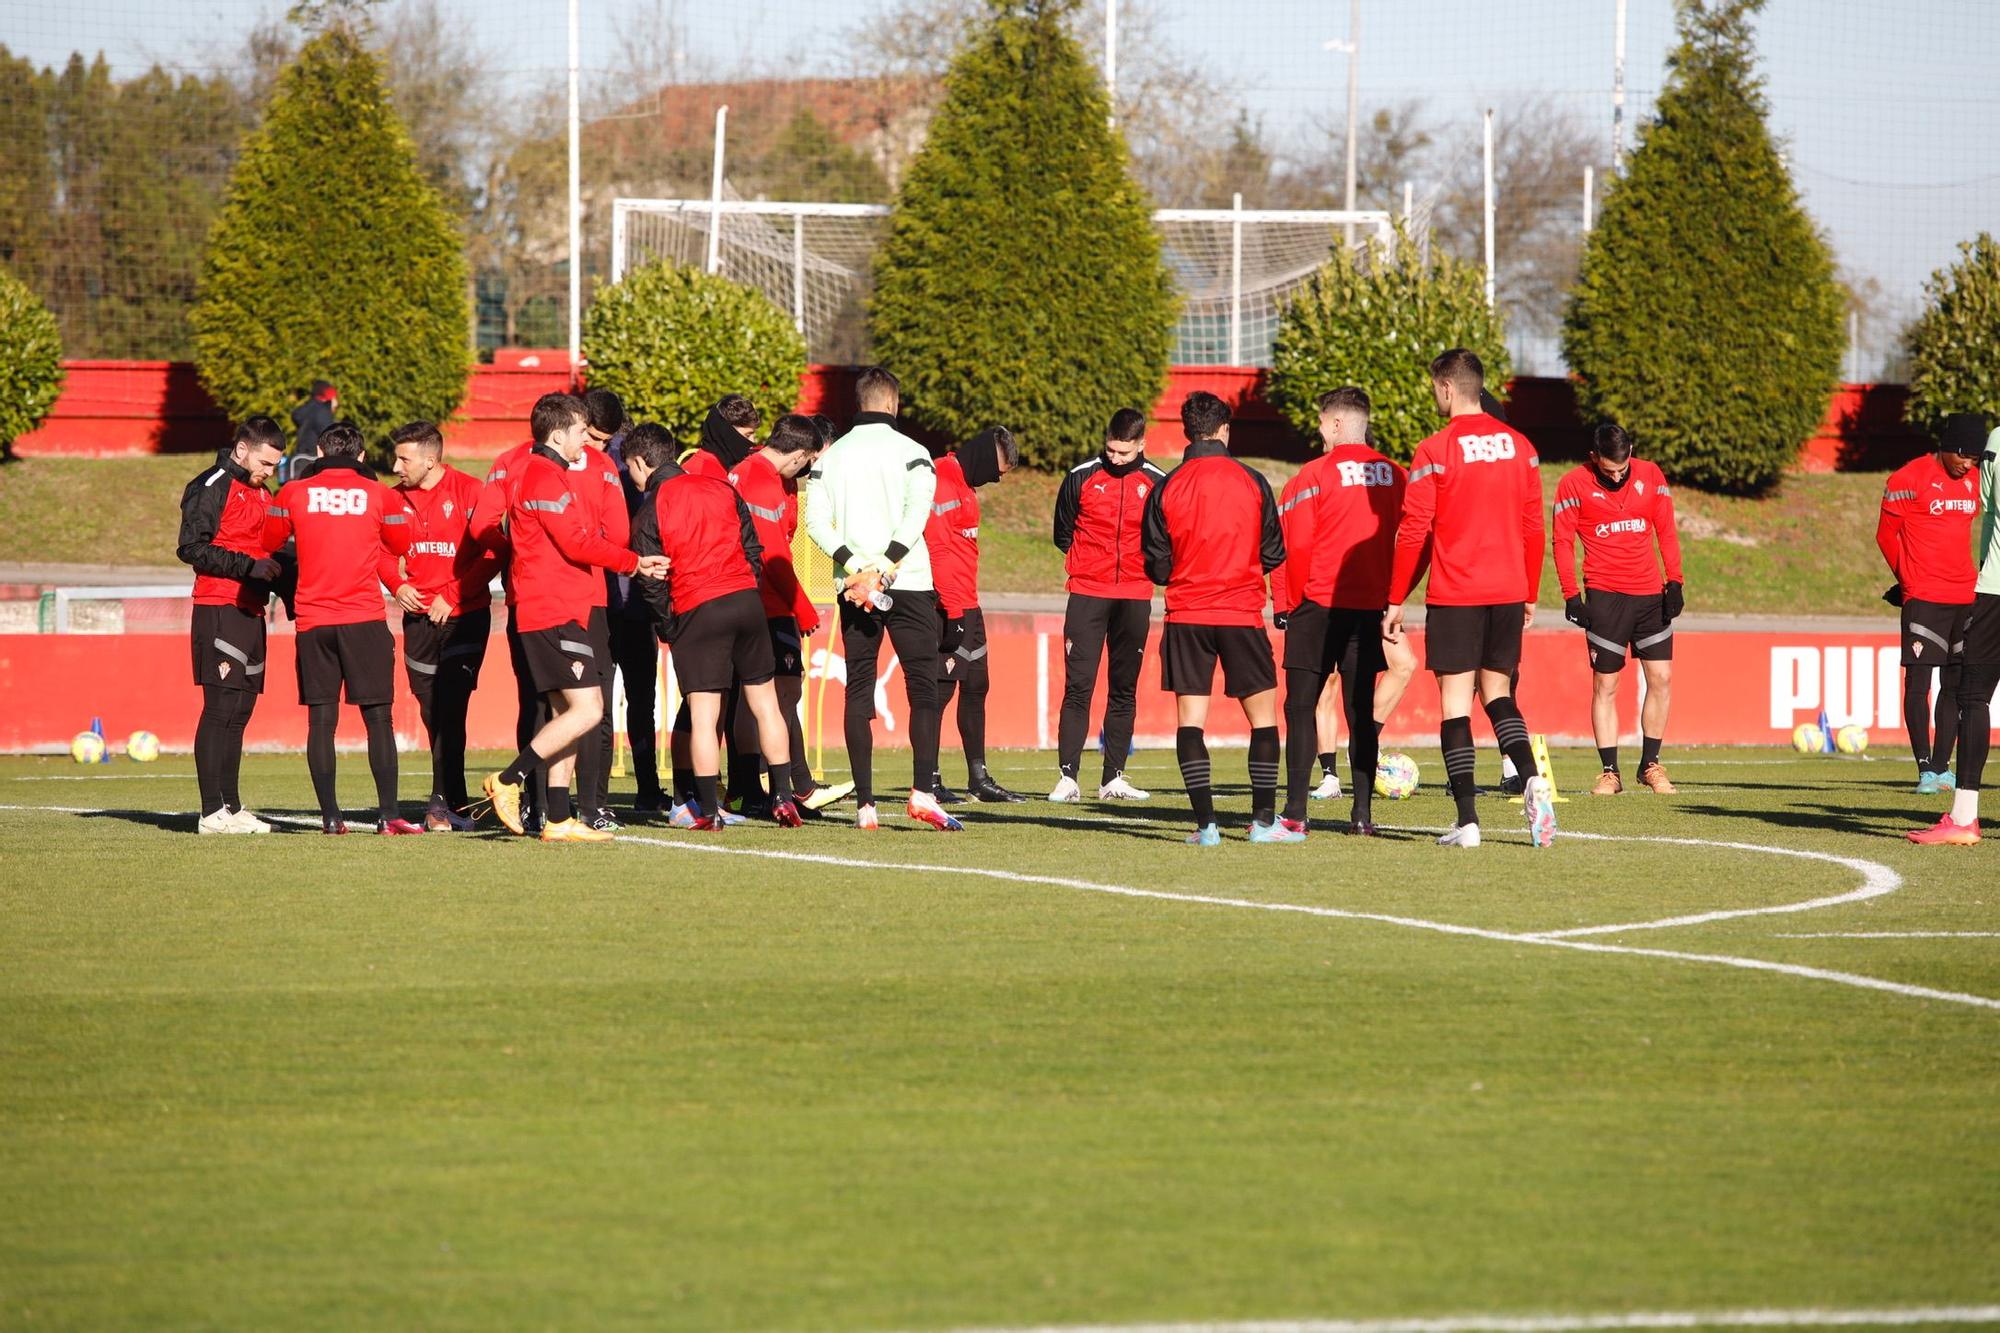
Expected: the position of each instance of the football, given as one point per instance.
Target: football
(1851, 739)
(1808, 739)
(87, 747)
(142, 747)
(1395, 776)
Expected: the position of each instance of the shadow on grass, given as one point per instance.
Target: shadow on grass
(1872, 822)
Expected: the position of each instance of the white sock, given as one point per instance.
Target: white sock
(1507, 769)
(1964, 807)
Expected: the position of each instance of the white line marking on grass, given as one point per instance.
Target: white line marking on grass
(97, 777)
(1897, 935)
(1582, 1323)
(1302, 909)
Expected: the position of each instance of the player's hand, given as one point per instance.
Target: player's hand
(1392, 624)
(1528, 616)
(441, 610)
(652, 567)
(1576, 612)
(410, 599)
(952, 635)
(1279, 619)
(1893, 595)
(1672, 602)
(265, 570)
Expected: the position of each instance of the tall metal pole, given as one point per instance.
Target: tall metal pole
(1111, 57)
(1353, 103)
(1618, 91)
(1491, 288)
(1589, 183)
(1236, 283)
(715, 195)
(575, 193)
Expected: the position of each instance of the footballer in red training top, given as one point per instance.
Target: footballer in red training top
(342, 521)
(1925, 534)
(1475, 504)
(1621, 508)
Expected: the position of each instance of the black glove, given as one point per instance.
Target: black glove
(1281, 618)
(950, 635)
(1576, 612)
(265, 570)
(1893, 595)
(1672, 603)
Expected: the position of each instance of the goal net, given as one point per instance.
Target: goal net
(1235, 268)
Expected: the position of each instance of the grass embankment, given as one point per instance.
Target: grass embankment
(1808, 548)
(474, 1082)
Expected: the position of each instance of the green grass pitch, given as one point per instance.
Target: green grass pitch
(475, 1082)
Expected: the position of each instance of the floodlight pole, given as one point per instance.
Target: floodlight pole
(1490, 286)
(715, 195)
(1236, 282)
(1111, 58)
(1618, 91)
(1352, 48)
(575, 195)
(1589, 184)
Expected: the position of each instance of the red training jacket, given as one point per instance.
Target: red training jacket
(699, 462)
(443, 560)
(709, 538)
(1619, 529)
(1210, 534)
(496, 501)
(222, 536)
(773, 503)
(1099, 511)
(1339, 513)
(597, 488)
(558, 549)
(951, 534)
(343, 520)
(1475, 499)
(1926, 530)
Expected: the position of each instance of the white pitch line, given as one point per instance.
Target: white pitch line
(1897, 935)
(98, 777)
(1582, 1323)
(1302, 909)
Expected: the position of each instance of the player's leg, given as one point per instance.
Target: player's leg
(762, 702)
(593, 754)
(423, 645)
(1304, 695)
(558, 660)
(1455, 691)
(754, 665)
(234, 721)
(1510, 729)
(680, 753)
(1359, 665)
(459, 664)
(1652, 640)
(951, 632)
(1604, 728)
(1260, 710)
(1399, 667)
(635, 650)
(574, 715)
(1197, 776)
(1127, 622)
(1960, 825)
(861, 634)
(1917, 680)
(1087, 623)
(705, 752)
(531, 711)
(319, 692)
(1326, 729)
(1946, 713)
(914, 628)
(368, 666)
(974, 685)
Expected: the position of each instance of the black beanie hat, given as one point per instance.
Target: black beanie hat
(1964, 434)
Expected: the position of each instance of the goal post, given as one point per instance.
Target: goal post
(1234, 267)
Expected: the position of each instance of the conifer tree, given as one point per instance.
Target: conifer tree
(1022, 282)
(1955, 344)
(1706, 319)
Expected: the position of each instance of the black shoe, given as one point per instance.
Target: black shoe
(945, 795)
(984, 788)
(1360, 828)
(531, 823)
(1513, 786)
(604, 822)
(757, 809)
(650, 804)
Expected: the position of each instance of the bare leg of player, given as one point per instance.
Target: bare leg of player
(1653, 725)
(1604, 729)
(761, 701)
(1396, 676)
(572, 715)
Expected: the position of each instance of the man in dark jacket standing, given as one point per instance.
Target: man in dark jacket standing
(309, 418)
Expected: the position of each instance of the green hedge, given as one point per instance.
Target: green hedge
(1376, 321)
(670, 341)
(1706, 319)
(31, 372)
(334, 258)
(1955, 344)
(1022, 281)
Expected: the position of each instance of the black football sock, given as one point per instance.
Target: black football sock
(1512, 733)
(1264, 774)
(1072, 727)
(860, 739)
(526, 764)
(591, 772)
(972, 726)
(781, 781)
(1649, 752)
(559, 806)
(924, 723)
(320, 720)
(212, 734)
(1326, 757)
(1975, 724)
(1608, 756)
(1917, 719)
(1455, 739)
(790, 690)
(1364, 745)
(1949, 705)
(683, 785)
(1191, 748)
(448, 753)
(1301, 693)
(244, 704)
(382, 758)
(705, 785)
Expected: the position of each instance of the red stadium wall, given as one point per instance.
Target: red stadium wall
(110, 408)
(1729, 689)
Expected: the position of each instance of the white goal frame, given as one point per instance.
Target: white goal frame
(709, 213)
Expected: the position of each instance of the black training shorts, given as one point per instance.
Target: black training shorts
(362, 656)
(1188, 654)
(228, 645)
(561, 658)
(455, 650)
(1317, 639)
(787, 646)
(1473, 638)
(1934, 633)
(1982, 631)
(724, 641)
(1621, 619)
